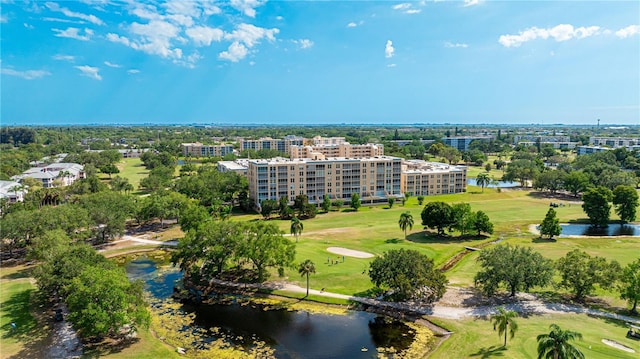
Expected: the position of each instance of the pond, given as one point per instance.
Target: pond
(612, 230)
(293, 334)
(494, 184)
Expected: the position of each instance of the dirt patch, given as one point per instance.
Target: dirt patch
(349, 252)
(615, 344)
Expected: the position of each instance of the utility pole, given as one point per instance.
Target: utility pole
(598, 128)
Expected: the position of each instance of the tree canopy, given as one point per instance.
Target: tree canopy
(517, 267)
(581, 272)
(409, 274)
(437, 215)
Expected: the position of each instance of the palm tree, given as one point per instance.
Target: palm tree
(307, 267)
(296, 227)
(406, 220)
(483, 180)
(503, 320)
(555, 345)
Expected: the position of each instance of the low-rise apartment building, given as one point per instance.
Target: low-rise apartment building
(197, 149)
(374, 179)
(461, 143)
(54, 175)
(421, 178)
(614, 142)
(12, 191)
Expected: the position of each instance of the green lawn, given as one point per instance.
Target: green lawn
(475, 338)
(15, 298)
(133, 170)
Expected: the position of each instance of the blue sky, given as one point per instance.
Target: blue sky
(322, 62)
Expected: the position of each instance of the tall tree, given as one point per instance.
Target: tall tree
(296, 227)
(595, 203)
(463, 217)
(355, 201)
(391, 201)
(517, 267)
(550, 225)
(581, 272)
(630, 284)
(483, 179)
(555, 345)
(264, 246)
(503, 321)
(405, 221)
(305, 269)
(625, 200)
(437, 215)
(326, 203)
(410, 274)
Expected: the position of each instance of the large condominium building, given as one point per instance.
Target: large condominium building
(587, 150)
(319, 140)
(238, 166)
(197, 149)
(267, 143)
(373, 178)
(614, 142)
(421, 178)
(542, 138)
(461, 143)
(344, 149)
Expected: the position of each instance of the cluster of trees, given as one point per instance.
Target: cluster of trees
(213, 247)
(441, 216)
(408, 274)
(100, 298)
(596, 204)
(518, 268)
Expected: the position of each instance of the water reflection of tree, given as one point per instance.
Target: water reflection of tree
(386, 332)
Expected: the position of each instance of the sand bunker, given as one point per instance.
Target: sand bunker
(349, 252)
(615, 344)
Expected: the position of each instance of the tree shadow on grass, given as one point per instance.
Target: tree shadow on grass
(492, 351)
(431, 237)
(394, 240)
(32, 336)
(107, 347)
(22, 273)
(544, 240)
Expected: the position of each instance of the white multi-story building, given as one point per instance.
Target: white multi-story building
(238, 166)
(614, 142)
(587, 150)
(374, 179)
(54, 175)
(319, 140)
(421, 178)
(461, 143)
(12, 191)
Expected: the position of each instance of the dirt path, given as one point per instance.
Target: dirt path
(64, 342)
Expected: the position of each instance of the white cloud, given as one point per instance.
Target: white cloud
(4, 18)
(562, 32)
(204, 35)
(133, 71)
(455, 45)
(413, 11)
(392, 65)
(250, 34)
(27, 75)
(403, 6)
(279, 18)
(248, 7)
(468, 3)
(67, 21)
(235, 53)
(61, 57)
(91, 18)
(389, 50)
(628, 31)
(74, 33)
(111, 64)
(352, 24)
(303, 43)
(91, 72)
(28, 26)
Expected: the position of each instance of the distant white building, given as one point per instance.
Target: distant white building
(614, 142)
(587, 150)
(54, 175)
(238, 166)
(12, 191)
(461, 143)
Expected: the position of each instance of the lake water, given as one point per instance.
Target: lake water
(296, 334)
(497, 184)
(587, 230)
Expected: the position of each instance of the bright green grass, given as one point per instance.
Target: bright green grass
(15, 296)
(147, 347)
(133, 170)
(475, 338)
